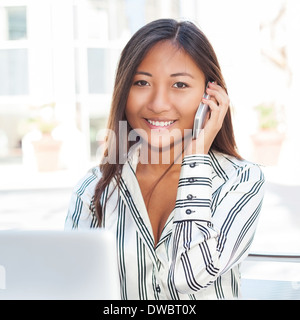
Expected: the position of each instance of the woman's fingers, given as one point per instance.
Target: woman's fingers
(217, 92)
(218, 103)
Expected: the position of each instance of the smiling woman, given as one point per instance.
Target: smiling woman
(182, 227)
(166, 95)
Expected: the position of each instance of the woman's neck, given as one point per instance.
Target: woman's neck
(160, 159)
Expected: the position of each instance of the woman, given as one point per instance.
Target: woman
(184, 212)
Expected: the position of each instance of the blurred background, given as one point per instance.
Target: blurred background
(57, 67)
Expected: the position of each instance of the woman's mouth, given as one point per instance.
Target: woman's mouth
(160, 124)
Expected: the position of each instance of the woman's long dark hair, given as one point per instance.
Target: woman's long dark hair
(186, 36)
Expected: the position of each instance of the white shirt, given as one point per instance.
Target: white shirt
(204, 240)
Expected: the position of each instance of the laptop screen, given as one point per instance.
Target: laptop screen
(58, 265)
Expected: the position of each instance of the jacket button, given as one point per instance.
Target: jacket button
(188, 211)
(189, 196)
(193, 165)
(191, 180)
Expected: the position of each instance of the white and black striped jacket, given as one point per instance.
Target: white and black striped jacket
(204, 240)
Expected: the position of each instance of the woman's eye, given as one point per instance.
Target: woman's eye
(141, 83)
(180, 85)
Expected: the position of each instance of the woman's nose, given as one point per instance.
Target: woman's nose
(160, 101)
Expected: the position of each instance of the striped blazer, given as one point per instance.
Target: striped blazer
(206, 237)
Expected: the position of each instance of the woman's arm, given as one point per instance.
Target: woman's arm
(81, 212)
(212, 234)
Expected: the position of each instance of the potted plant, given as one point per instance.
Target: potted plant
(268, 139)
(46, 149)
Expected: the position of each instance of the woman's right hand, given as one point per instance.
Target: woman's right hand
(218, 105)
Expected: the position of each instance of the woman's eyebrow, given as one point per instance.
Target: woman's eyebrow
(177, 74)
(144, 73)
(182, 74)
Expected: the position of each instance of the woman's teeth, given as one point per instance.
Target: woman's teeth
(160, 123)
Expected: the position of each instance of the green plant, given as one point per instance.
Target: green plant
(43, 118)
(267, 116)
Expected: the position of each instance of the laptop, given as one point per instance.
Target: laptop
(63, 265)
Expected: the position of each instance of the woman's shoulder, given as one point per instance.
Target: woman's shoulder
(228, 166)
(86, 185)
(81, 210)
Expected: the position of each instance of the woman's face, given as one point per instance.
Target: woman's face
(165, 94)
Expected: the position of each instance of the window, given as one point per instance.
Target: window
(13, 23)
(13, 61)
(14, 72)
(97, 69)
(100, 69)
(17, 23)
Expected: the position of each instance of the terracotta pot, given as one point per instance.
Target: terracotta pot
(267, 146)
(47, 152)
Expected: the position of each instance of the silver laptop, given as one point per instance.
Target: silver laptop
(58, 265)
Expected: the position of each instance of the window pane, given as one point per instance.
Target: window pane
(77, 71)
(14, 72)
(17, 23)
(98, 70)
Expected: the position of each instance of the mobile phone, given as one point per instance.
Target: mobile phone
(200, 116)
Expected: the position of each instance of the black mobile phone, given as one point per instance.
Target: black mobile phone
(200, 116)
